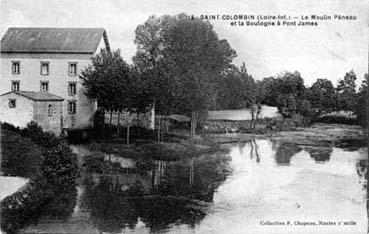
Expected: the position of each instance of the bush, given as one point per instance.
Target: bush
(337, 120)
(35, 133)
(20, 156)
(60, 167)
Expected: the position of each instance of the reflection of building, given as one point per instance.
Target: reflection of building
(49, 60)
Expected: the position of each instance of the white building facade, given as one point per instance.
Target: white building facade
(50, 60)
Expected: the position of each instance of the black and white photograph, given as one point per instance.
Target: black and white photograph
(199, 117)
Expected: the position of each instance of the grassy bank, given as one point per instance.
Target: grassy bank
(169, 151)
(318, 134)
(43, 158)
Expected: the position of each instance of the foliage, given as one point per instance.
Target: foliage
(361, 104)
(106, 80)
(60, 167)
(149, 39)
(182, 57)
(346, 92)
(290, 91)
(236, 89)
(197, 58)
(19, 155)
(44, 158)
(38, 136)
(322, 96)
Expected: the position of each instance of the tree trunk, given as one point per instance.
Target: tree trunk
(128, 134)
(163, 130)
(118, 127)
(159, 120)
(111, 117)
(194, 117)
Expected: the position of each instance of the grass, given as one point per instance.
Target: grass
(19, 155)
(169, 151)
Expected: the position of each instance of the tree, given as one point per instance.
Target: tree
(181, 57)
(346, 92)
(291, 93)
(322, 96)
(149, 61)
(267, 90)
(106, 80)
(196, 57)
(235, 89)
(362, 101)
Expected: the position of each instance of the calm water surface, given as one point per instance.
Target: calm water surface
(258, 181)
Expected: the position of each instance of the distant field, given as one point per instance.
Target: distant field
(244, 114)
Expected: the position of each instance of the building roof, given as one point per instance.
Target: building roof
(37, 96)
(53, 40)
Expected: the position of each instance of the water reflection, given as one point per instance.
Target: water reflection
(258, 180)
(172, 192)
(320, 154)
(285, 151)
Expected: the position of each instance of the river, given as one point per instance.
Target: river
(259, 186)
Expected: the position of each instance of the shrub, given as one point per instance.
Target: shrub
(60, 167)
(20, 156)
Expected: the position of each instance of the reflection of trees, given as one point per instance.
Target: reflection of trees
(197, 180)
(174, 196)
(110, 211)
(285, 151)
(62, 205)
(254, 149)
(159, 212)
(362, 171)
(320, 154)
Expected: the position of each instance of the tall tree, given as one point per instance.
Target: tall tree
(362, 101)
(235, 89)
(108, 81)
(346, 90)
(197, 57)
(149, 61)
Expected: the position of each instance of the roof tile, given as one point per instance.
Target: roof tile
(37, 96)
(51, 40)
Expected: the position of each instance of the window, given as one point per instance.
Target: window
(44, 68)
(12, 103)
(15, 85)
(44, 85)
(16, 67)
(50, 110)
(72, 107)
(72, 88)
(72, 69)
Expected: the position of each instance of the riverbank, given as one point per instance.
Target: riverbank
(318, 134)
(177, 147)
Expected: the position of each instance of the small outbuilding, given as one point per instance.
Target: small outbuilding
(21, 107)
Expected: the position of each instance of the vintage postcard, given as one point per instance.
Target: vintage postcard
(212, 117)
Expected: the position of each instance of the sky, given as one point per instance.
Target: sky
(328, 50)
